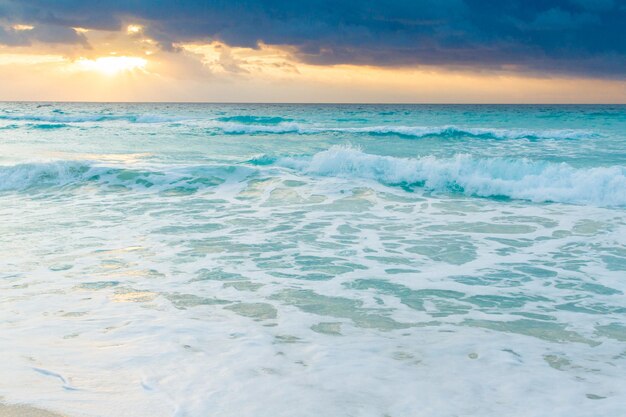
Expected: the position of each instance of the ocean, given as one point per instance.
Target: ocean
(196, 260)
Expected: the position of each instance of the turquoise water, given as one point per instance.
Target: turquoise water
(313, 260)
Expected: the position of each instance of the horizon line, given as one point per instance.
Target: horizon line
(326, 103)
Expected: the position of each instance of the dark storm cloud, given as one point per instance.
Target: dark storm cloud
(573, 36)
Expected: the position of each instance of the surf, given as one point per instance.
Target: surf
(514, 178)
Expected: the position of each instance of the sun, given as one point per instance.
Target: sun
(112, 65)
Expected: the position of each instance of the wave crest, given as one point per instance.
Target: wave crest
(62, 174)
(31, 175)
(536, 181)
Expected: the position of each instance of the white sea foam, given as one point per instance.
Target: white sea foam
(149, 271)
(536, 181)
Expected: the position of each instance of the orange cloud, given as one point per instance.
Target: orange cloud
(128, 66)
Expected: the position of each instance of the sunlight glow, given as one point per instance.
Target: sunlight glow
(134, 29)
(23, 27)
(112, 65)
(30, 59)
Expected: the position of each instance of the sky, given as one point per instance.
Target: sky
(392, 51)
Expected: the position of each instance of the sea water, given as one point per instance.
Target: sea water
(196, 260)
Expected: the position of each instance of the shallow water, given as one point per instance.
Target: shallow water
(281, 260)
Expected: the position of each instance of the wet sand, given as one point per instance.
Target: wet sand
(20, 410)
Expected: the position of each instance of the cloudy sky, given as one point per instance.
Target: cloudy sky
(314, 51)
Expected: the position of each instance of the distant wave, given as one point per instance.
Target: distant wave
(484, 177)
(60, 174)
(66, 118)
(408, 131)
(266, 120)
(252, 125)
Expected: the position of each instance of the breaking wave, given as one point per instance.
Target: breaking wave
(536, 181)
(63, 174)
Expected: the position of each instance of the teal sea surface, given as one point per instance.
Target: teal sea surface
(194, 260)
